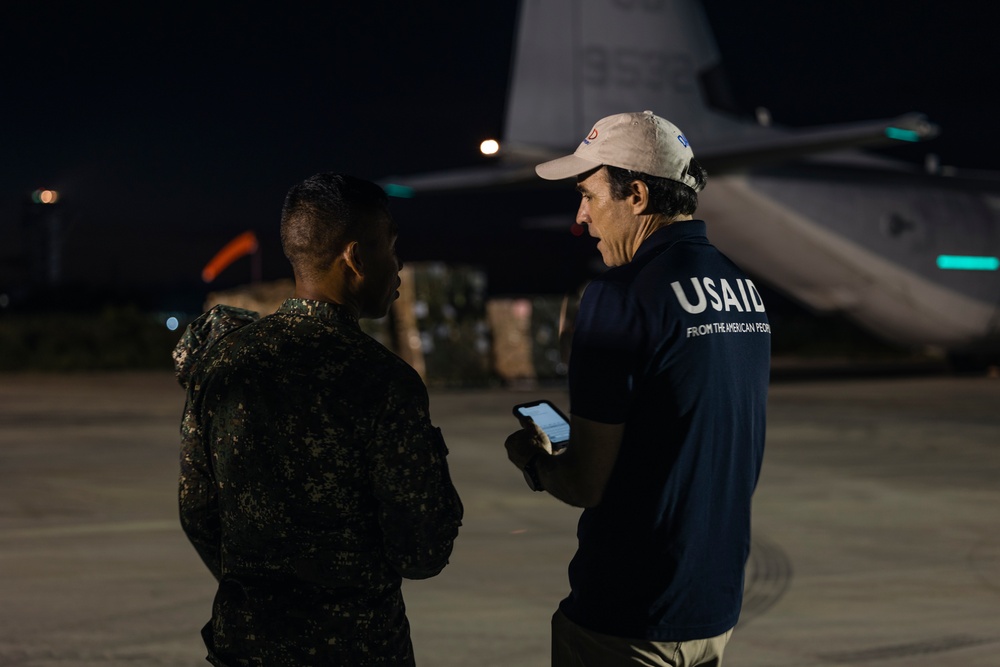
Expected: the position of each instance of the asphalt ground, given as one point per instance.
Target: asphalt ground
(876, 530)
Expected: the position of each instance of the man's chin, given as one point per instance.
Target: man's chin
(605, 256)
(375, 314)
(388, 305)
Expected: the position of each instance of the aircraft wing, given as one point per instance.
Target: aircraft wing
(517, 168)
(788, 144)
(484, 177)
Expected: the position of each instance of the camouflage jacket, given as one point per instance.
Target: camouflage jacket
(311, 481)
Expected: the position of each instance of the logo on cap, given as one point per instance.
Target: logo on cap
(591, 136)
(680, 138)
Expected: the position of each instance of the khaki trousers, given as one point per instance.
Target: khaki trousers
(573, 646)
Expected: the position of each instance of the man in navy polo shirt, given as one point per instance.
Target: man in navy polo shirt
(668, 386)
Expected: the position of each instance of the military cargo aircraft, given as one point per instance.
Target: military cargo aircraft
(909, 253)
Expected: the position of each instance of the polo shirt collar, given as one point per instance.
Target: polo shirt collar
(683, 230)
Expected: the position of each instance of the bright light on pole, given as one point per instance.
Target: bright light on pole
(45, 196)
(489, 147)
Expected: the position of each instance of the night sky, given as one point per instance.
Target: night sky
(170, 130)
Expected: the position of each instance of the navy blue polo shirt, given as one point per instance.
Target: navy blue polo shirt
(675, 345)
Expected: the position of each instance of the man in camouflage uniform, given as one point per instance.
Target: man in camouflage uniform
(312, 479)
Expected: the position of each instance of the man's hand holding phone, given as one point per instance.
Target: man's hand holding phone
(526, 443)
(545, 430)
(548, 418)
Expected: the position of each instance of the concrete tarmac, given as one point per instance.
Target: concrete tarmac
(876, 530)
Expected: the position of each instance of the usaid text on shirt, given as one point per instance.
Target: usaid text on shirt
(722, 297)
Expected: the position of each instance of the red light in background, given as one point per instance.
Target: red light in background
(576, 230)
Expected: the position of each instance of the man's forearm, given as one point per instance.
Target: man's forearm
(420, 538)
(202, 530)
(578, 474)
(560, 475)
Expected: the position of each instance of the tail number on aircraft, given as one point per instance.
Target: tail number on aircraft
(632, 68)
(648, 5)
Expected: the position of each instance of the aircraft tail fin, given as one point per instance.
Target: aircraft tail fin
(576, 62)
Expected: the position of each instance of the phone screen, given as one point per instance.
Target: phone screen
(548, 419)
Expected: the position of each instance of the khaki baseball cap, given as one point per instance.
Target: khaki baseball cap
(641, 142)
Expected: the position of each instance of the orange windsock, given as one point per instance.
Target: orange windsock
(244, 244)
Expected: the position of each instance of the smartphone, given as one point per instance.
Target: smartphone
(549, 418)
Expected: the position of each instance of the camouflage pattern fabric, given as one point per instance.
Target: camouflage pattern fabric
(203, 333)
(312, 481)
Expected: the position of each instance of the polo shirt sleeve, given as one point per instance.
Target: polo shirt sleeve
(606, 342)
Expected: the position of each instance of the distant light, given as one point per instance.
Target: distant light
(968, 263)
(43, 196)
(401, 191)
(901, 134)
(173, 323)
(4, 300)
(932, 163)
(489, 147)
(521, 309)
(576, 230)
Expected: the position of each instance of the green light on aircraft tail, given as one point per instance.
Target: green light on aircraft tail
(901, 134)
(968, 263)
(401, 191)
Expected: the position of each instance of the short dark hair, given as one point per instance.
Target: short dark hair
(323, 213)
(666, 197)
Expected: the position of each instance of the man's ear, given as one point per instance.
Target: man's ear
(639, 197)
(352, 258)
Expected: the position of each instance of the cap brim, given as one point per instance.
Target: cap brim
(565, 167)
